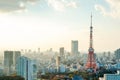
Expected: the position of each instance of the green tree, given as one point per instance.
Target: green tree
(11, 78)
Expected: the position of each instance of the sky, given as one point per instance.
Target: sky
(44, 24)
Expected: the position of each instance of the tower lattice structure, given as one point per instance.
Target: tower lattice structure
(91, 62)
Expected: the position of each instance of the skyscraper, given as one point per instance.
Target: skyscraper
(16, 55)
(117, 54)
(74, 47)
(61, 51)
(26, 68)
(38, 50)
(22, 67)
(8, 62)
(58, 63)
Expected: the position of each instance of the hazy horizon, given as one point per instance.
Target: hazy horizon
(45, 24)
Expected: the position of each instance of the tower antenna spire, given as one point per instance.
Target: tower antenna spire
(91, 33)
(91, 18)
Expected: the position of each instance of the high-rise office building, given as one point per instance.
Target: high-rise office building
(74, 47)
(26, 68)
(117, 54)
(29, 51)
(58, 63)
(61, 51)
(8, 62)
(22, 67)
(39, 50)
(16, 55)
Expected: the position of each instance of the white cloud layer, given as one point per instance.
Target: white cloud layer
(19, 5)
(61, 5)
(114, 6)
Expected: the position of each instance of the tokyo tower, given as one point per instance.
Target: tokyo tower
(91, 62)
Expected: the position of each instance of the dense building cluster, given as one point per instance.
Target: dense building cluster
(33, 65)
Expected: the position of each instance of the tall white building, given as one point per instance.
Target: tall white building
(8, 62)
(117, 54)
(16, 55)
(74, 47)
(61, 51)
(26, 68)
(58, 63)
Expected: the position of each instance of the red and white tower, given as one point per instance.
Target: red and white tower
(91, 62)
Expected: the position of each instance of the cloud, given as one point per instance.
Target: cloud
(11, 5)
(21, 5)
(114, 6)
(57, 4)
(72, 4)
(61, 5)
(14, 5)
(101, 9)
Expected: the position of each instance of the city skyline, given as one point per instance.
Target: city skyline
(53, 24)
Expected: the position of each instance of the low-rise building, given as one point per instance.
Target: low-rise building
(111, 76)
